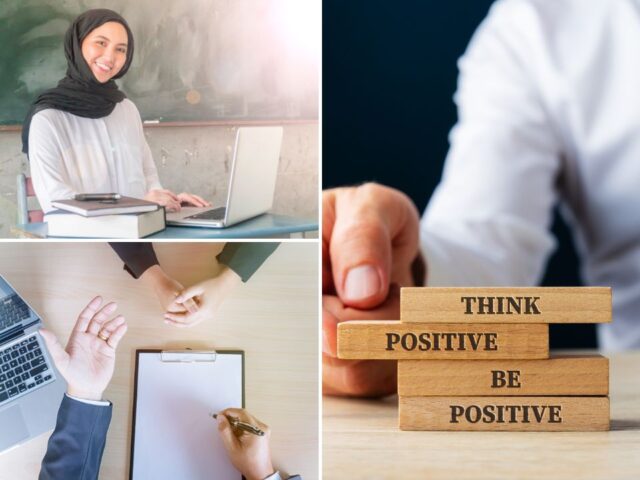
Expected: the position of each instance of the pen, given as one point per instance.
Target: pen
(247, 427)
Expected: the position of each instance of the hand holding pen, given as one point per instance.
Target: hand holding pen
(240, 425)
(250, 454)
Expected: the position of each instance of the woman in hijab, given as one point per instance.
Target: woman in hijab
(85, 136)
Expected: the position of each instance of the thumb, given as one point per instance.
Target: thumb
(60, 357)
(375, 229)
(189, 293)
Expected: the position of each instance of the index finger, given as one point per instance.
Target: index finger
(87, 314)
(239, 413)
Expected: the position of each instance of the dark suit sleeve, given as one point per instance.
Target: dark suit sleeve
(246, 258)
(137, 256)
(76, 445)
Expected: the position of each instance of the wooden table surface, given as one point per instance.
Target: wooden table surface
(273, 318)
(361, 441)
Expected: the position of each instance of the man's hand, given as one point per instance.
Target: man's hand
(369, 240)
(207, 295)
(361, 378)
(87, 362)
(249, 453)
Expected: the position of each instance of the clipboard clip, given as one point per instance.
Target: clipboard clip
(188, 356)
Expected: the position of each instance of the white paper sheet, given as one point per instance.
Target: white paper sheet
(175, 437)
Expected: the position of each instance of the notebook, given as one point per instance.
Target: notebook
(173, 435)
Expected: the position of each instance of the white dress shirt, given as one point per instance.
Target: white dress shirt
(70, 154)
(548, 112)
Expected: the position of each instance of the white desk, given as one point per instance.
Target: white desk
(273, 318)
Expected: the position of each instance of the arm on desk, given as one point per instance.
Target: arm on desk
(76, 445)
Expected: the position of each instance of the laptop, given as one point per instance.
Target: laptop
(252, 185)
(31, 389)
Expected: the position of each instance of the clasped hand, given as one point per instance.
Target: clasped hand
(186, 307)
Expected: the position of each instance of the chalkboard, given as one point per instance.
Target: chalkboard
(194, 60)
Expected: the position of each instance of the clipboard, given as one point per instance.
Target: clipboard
(173, 434)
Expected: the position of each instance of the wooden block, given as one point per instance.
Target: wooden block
(560, 375)
(506, 305)
(580, 414)
(389, 340)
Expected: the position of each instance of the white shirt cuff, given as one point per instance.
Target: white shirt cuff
(275, 476)
(99, 403)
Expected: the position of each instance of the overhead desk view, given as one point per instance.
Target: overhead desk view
(194, 329)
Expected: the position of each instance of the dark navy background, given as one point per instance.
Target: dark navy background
(389, 74)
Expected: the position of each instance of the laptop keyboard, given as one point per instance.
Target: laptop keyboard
(213, 214)
(23, 367)
(12, 311)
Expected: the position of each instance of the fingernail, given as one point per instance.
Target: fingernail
(326, 348)
(362, 282)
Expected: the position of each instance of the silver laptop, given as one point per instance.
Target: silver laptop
(252, 184)
(30, 387)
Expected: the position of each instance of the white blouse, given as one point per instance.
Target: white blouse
(70, 154)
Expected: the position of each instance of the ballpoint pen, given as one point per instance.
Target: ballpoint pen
(247, 427)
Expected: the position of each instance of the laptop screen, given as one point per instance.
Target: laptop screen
(15, 314)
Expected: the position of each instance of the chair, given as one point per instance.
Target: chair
(24, 191)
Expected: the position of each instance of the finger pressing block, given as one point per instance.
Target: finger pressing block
(504, 413)
(389, 340)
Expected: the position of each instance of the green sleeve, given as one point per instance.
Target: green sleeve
(246, 258)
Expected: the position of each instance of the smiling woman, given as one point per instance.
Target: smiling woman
(85, 136)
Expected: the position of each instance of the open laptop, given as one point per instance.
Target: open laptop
(252, 185)
(30, 387)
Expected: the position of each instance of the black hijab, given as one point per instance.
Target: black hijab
(79, 92)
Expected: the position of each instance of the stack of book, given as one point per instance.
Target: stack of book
(123, 218)
(478, 358)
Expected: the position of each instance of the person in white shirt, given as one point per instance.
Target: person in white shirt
(87, 363)
(548, 114)
(85, 136)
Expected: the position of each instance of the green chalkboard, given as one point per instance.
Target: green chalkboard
(194, 60)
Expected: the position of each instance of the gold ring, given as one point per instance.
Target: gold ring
(101, 335)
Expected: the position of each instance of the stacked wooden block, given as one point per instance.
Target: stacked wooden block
(478, 358)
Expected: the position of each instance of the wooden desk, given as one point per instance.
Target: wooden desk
(273, 318)
(361, 437)
(264, 226)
